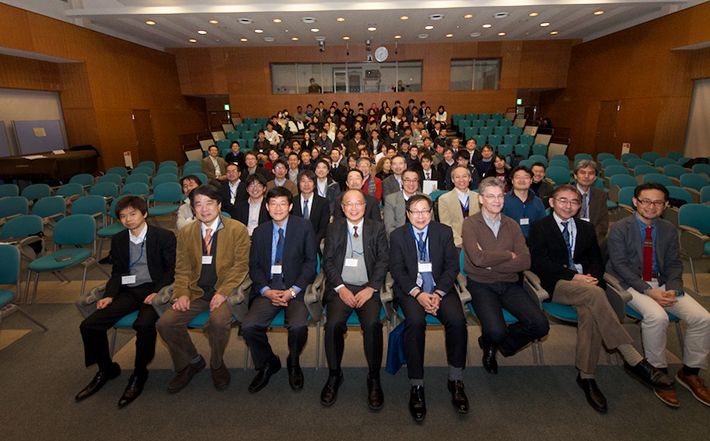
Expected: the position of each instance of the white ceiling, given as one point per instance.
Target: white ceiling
(177, 21)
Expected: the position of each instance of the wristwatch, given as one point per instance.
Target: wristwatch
(293, 293)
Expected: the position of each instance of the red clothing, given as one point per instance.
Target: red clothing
(378, 187)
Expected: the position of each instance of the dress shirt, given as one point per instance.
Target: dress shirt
(642, 227)
(310, 205)
(274, 243)
(572, 231)
(351, 231)
(494, 225)
(254, 210)
(233, 191)
(141, 236)
(217, 171)
(322, 187)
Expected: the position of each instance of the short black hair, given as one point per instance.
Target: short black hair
(210, 147)
(294, 154)
(539, 164)
(310, 174)
(206, 190)
(522, 168)
(278, 192)
(255, 177)
(135, 202)
(193, 178)
(652, 186)
(418, 198)
(355, 170)
(426, 156)
(281, 162)
(235, 142)
(251, 153)
(463, 153)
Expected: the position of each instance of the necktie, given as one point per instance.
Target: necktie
(464, 209)
(648, 255)
(277, 280)
(208, 241)
(570, 251)
(427, 278)
(355, 235)
(584, 212)
(306, 211)
(428, 176)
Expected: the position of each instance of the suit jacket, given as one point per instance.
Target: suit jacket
(160, 252)
(442, 254)
(299, 258)
(435, 176)
(376, 249)
(626, 255)
(238, 159)
(549, 252)
(473, 185)
(395, 211)
(241, 196)
(450, 212)
(372, 208)
(231, 259)
(209, 170)
(339, 175)
(319, 217)
(259, 171)
(241, 210)
(598, 212)
(332, 191)
(288, 185)
(389, 186)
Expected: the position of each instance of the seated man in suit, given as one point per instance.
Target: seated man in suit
(566, 257)
(253, 167)
(309, 205)
(372, 205)
(424, 264)
(280, 169)
(458, 204)
(355, 264)
(644, 255)
(338, 171)
(428, 173)
(282, 264)
(211, 262)
(294, 167)
(236, 156)
(253, 212)
(540, 186)
(393, 183)
(395, 203)
(521, 204)
(494, 256)
(214, 167)
(233, 191)
(143, 263)
(593, 207)
(185, 215)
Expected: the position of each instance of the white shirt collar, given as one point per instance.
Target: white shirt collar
(235, 185)
(358, 225)
(214, 225)
(141, 237)
(571, 226)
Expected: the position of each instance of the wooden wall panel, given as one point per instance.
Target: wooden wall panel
(116, 132)
(542, 64)
(24, 73)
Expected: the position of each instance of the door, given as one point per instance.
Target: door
(606, 128)
(145, 142)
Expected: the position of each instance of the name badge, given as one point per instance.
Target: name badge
(586, 219)
(424, 267)
(128, 280)
(351, 263)
(524, 221)
(276, 269)
(207, 260)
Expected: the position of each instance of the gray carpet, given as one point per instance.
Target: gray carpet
(42, 372)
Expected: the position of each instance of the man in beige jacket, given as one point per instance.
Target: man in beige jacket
(458, 204)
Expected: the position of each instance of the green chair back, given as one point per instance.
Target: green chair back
(75, 230)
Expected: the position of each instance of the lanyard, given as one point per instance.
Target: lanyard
(421, 245)
(352, 249)
(202, 233)
(139, 256)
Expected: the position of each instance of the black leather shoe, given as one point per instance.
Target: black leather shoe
(458, 396)
(417, 404)
(101, 378)
(183, 378)
(295, 377)
(134, 388)
(595, 398)
(262, 377)
(375, 396)
(221, 377)
(489, 356)
(650, 375)
(330, 391)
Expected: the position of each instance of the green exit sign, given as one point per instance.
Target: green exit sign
(226, 107)
(519, 101)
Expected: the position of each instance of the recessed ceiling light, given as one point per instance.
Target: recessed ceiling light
(533, 14)
(214, 22)
(404, 17)
(150, 22)
(276, 20)
(243, 40)
(346, 38)
(436, 17)
(308, 20)
(372, 29)
(423, 36)
(340, 19)
(245, 21)
(320, 38)
(474, 34)
(397, 37)
(259, 31)
(192, 40)
(294, 38)
(201, 32)
(468, 16)
(500, 34)
(544, 25)
(430, 27)
(598, 12)
(315, 30)
(501, 14)
(269, 39)
(554, 33)
(486, 25)
(449, 35)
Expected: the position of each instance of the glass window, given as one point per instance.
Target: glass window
(481, 74)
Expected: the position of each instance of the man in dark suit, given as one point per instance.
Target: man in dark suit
(566, 256)
(593, 208)
(282, 263)
(338, 171)
(644, 255)
(236, 156)
(355, 264)
(424, 264)
(253, 167)
(233, 191)
(252, 212)
(372, 205)
(143, 263)
(393, 183)
(309, 205)
(428, 173)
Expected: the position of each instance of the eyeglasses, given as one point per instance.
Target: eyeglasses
(410, 180)
(492, 197)
(565, 201)
(255, 185)
(647, 202)
(420, 212)
(353, 204)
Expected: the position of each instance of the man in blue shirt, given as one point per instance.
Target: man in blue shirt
(521, 204)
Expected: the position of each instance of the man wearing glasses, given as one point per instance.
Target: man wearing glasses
(494, 256)
(355, 262)
(521, 204)
(395, 203)
(567, 258)
(234, 191)
(253, 212)
(593, 207)
(644, 255)
(424, 264)
(280, 170)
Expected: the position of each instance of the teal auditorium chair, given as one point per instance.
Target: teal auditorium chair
(93, 205)
(602, 156)
(614, 170)
(705, 195)
(495, 140)
(559, 163)
(142, 171)
(500, 131)
(626, 156)
(70, 192)
(522, 150)
(10, 275)
(12, 206)
(121, 171)
(538, 158)
(85, 179)
(76, 231)
(50, 209)
(635, 162)
(559, 175)
(24, 233)
(560, 157)
(143, 179)
(617, 182)
(168, 193)
(35, 192)
(658, 179)
(694, 183)
(107, 190)
(695, 231)
(517, 131)
(583, 156)
(510, 139)
(527, 139)
(192, 162)
(167, 164)
(167, 177)
(674, 171)
(172, 170)
(149, 164)
(9, 190)
(611, 161)
(662, 162)
(703, 169)
(650, 157)
(671, 213)
(645, 169)
(674, 156)
(505, 149)
(539, 149)
(135, 189)
(191, 170)
(626, 204)
(113, 179)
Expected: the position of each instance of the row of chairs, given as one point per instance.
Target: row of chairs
(512, 132)
(246, 143)
(457, 117)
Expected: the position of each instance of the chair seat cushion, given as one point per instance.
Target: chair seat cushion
(631, 312)
(6, 296)
(610, 205)
(562, 312)
(508, 317)
(160, 210)
(50, 263)
(354, 321)
(126, 322)
(201, 319)
(707, 248)
(111, 230)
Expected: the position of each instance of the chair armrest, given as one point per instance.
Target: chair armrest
(614, 283)
(462, 290)
(387, 297)
(314, 297)
(161, 302)
(692, 242)
(674, 181)
(237, 300)
(87, 302)
(617, 296)
(533, 286)
(695, 194)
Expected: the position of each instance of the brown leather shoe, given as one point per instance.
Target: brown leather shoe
(695, 385)
(221, 377)
(668, 397)
(184, 377)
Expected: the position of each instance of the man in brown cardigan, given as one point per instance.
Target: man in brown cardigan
(212, 260)
(494, 256)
